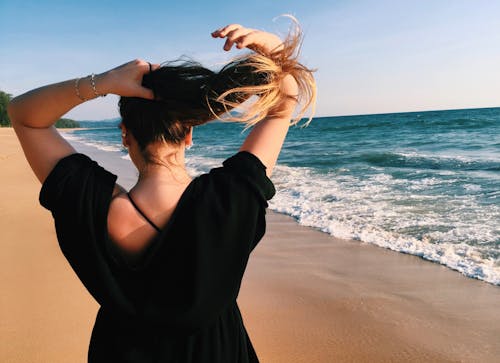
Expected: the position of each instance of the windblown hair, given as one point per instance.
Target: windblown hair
(187, 94)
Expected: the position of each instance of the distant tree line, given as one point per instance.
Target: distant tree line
(4, 100)
(66, 123)
(4, 118)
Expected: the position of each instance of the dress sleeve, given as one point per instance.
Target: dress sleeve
(240, 191)
(236, 198)
(248, 167)
(78, 192)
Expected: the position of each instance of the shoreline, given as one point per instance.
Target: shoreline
(366, 303)
(306, 296)
(67, 129)
(473, 263)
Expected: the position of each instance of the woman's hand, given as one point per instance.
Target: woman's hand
(257, 40)
(126, 80)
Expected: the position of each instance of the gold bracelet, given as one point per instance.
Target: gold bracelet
(92, 82)
(77, 89)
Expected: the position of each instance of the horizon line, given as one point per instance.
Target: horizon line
(345, 115)
(416, 111)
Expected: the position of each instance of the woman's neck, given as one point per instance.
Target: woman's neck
(163, 173)
(163, 166)
(168, 168)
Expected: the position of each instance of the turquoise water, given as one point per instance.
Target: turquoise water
(424, 183)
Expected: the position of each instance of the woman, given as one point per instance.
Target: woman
(165, 260)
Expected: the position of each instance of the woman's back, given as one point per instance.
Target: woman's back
(178, 301)
(128, 225)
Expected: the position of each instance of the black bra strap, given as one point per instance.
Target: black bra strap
(142, 213)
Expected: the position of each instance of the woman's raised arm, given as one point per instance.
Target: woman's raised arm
(267, 136)
(34, 113)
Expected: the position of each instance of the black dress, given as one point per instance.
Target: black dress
(178, 303)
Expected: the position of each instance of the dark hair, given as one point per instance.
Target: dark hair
(188, 95)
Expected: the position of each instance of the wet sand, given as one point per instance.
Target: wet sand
(305, 297)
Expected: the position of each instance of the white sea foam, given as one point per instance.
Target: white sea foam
(101, 145)
(197, 165)
(415, 154)
(472, 187)
(453, 232)
(464, 156)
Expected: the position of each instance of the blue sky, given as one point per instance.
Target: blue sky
(372, 56)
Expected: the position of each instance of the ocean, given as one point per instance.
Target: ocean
(422, 183)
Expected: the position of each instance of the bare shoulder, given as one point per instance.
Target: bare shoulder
(126, 229)
(118, 214)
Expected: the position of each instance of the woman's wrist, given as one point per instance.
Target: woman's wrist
(102, 84)
(289, 86)
(289, 99)
(90, 87)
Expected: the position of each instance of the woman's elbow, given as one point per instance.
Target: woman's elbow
(14, 111)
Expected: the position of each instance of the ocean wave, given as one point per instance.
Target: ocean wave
(454, 123)
(375, 210)
(425, 122)
(458, 233)
(99, 144)
(427, 161)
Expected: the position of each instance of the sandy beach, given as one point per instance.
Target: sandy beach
(305, 297)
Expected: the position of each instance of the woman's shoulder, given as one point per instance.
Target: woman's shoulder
(75, 180)
(244, 171)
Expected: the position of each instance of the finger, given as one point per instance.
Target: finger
(233, 36)
(154, 66)
(216, 33)
(228, 28)
(237, 33)
(147, 67)
(227, 45)
(247, 40)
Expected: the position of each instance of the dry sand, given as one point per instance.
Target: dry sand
(306, 297)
